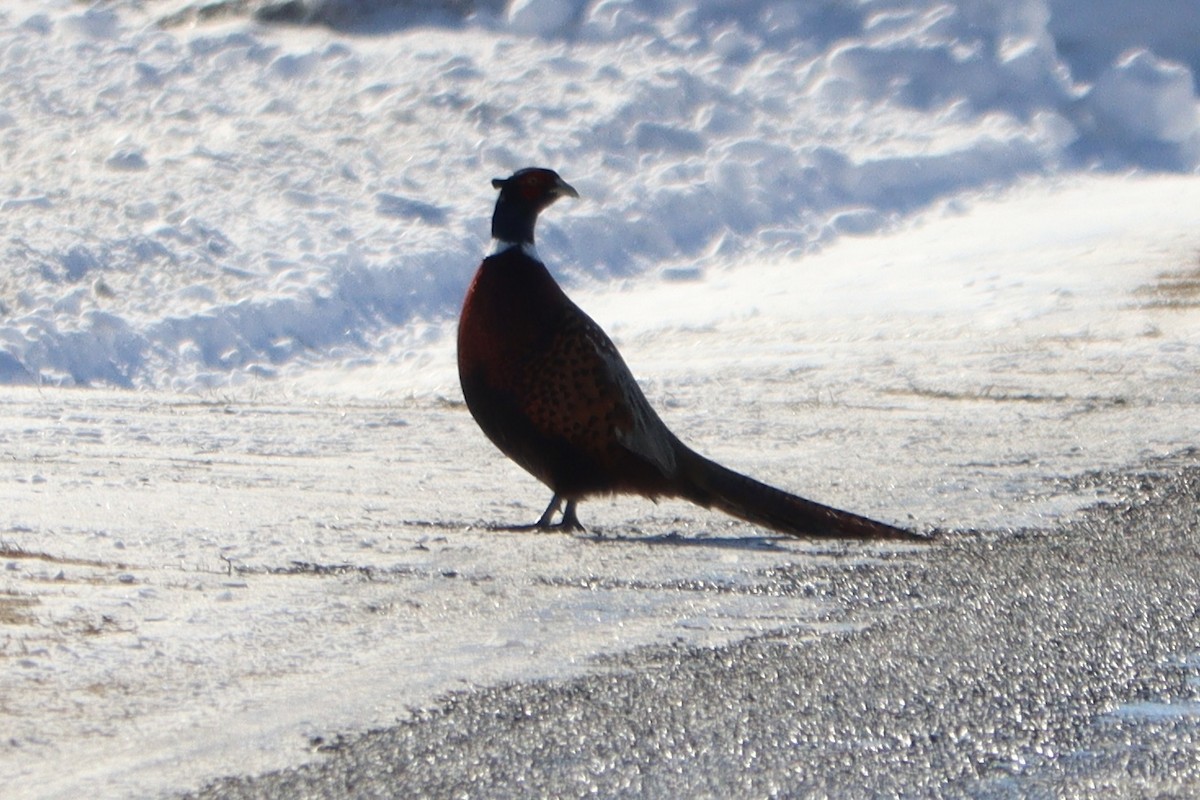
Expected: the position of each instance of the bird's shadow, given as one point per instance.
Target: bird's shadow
(673, 539)
(764, 544)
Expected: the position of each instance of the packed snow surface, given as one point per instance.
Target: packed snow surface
(916, 259)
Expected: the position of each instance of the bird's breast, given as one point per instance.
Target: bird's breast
(509, 311)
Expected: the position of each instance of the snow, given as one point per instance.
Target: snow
(917, 259)
(258, 201)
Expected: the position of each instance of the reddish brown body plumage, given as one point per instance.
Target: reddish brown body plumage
(549, 388)
(538, 375)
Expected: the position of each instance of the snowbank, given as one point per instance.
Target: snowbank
(206, 203)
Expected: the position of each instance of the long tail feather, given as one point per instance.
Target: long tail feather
(711, 485)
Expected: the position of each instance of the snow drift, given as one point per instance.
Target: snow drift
(199, 200)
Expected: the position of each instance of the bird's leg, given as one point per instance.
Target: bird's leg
(569, 520)
(544, 521)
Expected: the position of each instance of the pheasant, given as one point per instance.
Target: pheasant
(549, 389)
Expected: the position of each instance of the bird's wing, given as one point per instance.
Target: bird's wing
(642, 431)
(582, 391)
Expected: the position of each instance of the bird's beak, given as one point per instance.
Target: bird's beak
(564, 189)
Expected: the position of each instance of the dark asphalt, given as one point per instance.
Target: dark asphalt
(989, 665)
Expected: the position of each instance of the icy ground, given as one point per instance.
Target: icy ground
(917, 260)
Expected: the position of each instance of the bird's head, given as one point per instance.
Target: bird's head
(524, 195)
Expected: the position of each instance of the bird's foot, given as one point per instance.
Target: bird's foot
(546, 521)
(569, 521)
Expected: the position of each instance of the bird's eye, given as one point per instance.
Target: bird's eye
(534, 185)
